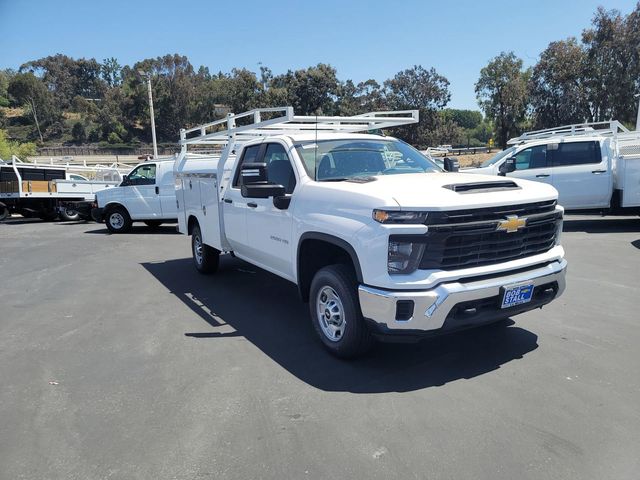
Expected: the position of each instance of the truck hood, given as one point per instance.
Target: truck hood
(447, 191)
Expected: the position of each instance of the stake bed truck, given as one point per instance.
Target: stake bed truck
(381, 242)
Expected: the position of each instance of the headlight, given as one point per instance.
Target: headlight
(404, 257)
(396, 216)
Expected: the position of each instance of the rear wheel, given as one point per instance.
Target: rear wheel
(153, 223)
(205, 258)
(69, 215)
(335, 312)
(118, 220)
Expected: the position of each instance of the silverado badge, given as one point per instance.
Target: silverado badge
(511, 224)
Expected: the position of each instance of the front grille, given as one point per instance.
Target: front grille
(476, 242)
(489, 213)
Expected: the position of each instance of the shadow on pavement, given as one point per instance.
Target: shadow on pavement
(266, 310)
(602, 225)
(140, 229)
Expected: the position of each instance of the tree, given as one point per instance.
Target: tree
(467, 119)
(27, 90)
(612, 70)
(557, 88)
(111, 72)
(9, 148)
(418, 88)
(501, 91)
(310, 91)
(78, 133)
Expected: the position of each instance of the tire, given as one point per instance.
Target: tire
(335, 312)
(69, 215)
(4, 213)
(153, 223)
(117, 220)
(205, 258)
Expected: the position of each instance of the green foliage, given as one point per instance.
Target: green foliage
(78, 133)
(20, 150)
(113, 137)
(502, 94)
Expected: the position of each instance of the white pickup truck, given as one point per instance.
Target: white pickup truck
(146, 194)
(379, 240)
(47, 190)
(594, 166)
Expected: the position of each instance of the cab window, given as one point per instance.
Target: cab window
(279, 168)
(532, 157)
(143, 175)
(249, 155)
(576, 153)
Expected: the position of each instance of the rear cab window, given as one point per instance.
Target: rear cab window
(249, 155)
(575, 153)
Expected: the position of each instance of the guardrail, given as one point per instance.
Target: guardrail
(468, 150)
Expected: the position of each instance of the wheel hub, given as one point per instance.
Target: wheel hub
(330, 314)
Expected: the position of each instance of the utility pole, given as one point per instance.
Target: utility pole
(153, 121)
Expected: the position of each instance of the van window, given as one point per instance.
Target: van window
(249, 155)
(143, 175)
(532, 157)
(576, 153)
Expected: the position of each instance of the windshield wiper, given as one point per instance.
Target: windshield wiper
(334, 179)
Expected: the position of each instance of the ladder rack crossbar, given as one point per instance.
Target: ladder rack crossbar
(288, 123)
(609, 128)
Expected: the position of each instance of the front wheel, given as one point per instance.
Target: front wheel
(205, 258)
(118, 220)
(335, 312)
(4, 212)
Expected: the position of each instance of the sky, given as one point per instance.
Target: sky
(361, 39)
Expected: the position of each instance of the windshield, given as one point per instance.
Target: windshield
(335, 160)
(497, 157)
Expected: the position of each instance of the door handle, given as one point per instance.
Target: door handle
(598, 172)
(542, 175)
(228, 200)
(157, 190)
(252, 205)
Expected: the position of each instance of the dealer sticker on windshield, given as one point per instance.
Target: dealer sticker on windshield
(517, 295)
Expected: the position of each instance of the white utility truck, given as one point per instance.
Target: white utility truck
(147, 194)
(594, 166)
(47, 190)
(380, 241)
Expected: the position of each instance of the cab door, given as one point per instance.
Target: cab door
(270, 229)
(582, 175)
(532, 164)
(141, 197)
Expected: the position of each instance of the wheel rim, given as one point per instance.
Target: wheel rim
(116, 220)
(70, 213)
(197, 249)
(330, 314)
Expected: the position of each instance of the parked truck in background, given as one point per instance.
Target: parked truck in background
(595, 166)
(146, 194)
(379, 240)
(47, 191)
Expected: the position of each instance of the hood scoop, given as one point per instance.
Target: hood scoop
(479, 187)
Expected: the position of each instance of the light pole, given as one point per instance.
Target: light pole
(153, 121)
(637, 95)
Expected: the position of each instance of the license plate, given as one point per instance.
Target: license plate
(516, 295)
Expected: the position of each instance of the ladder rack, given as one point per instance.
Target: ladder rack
(611, 128)
(233, 128)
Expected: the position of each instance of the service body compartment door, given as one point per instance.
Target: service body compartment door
(210, 225)
(191, 195)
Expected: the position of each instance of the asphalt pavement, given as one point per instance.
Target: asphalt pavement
(119, 361)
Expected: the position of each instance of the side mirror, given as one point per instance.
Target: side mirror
(451, 164)
(262, 190)
(125, 181)
(508, 166)
(254, 173)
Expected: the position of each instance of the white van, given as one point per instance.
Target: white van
(146, 195)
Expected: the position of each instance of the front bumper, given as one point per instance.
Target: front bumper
(459, 304)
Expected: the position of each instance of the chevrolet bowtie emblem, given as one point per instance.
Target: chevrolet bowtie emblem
(511, 224)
